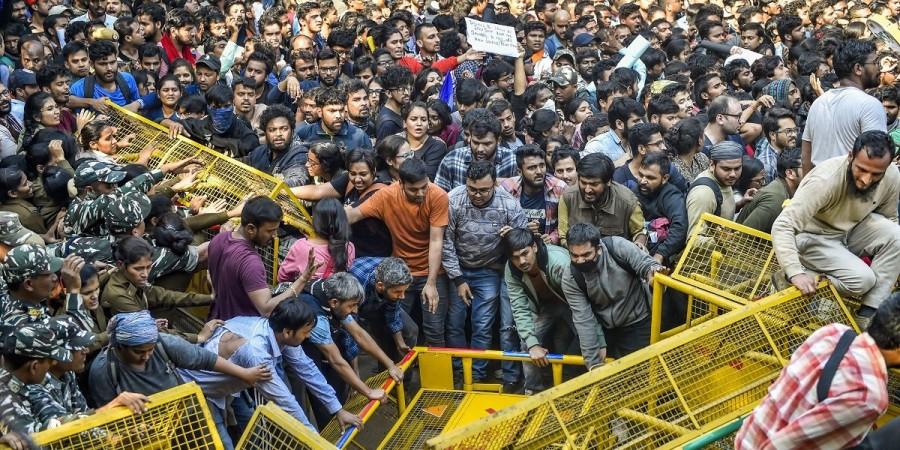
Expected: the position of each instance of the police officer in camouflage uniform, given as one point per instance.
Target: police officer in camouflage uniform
(13, 234)
(96, 183)
(31, 274)
(28, 353)
(58, 399)
(126, 215)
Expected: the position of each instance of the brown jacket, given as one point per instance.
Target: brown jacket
(618, 213)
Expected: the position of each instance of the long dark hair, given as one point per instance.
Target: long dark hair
(330, 222)
(33, 106)
(684, 137)
(331, 157)
(388, 148)
(172, 233)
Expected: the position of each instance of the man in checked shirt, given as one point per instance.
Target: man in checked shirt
(832, 391)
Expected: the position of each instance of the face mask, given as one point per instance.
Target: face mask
(549, 104)
(222, 118)
(587, 266)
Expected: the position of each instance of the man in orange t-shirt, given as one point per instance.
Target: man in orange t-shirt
(416, 213)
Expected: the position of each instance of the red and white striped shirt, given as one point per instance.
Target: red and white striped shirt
(790, 416)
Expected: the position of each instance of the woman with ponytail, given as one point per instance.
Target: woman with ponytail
(685, 140)
(331, 246)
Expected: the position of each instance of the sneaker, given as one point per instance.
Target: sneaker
(779, 281)
(861, 321)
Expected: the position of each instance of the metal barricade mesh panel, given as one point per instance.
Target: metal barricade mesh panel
(220, 176)
(270, 428)
(668, 393)
(355, 403)
(176, 419)
(426, 419)
(728, 259)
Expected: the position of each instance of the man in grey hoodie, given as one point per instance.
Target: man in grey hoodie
(607, 287)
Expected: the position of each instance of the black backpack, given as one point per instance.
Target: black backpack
(91, 80)
(710, 183)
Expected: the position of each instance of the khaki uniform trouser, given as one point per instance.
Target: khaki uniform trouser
(838, 258)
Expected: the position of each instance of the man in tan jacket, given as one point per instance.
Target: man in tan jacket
(845, 208)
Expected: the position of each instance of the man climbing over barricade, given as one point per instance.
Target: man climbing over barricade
(844, 209)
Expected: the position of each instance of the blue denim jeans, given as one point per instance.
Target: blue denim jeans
(431, 325)
(221, 425)
(489, 297)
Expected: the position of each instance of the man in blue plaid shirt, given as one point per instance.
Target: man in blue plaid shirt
(385, 281)
(483, 137)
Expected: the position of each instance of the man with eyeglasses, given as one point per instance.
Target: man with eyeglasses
(473, 259)
(780, 134)
(644, 139)
(724, 114)
(397, 83)
(840, 115)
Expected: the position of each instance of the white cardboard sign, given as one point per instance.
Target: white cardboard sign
(492, 38)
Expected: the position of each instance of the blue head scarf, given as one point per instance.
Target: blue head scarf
(133, 329)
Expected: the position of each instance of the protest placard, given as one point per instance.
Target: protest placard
(492, 38)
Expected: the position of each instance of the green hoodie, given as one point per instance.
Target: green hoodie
(552, 262)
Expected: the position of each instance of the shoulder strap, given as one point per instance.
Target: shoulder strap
(161, 348)
(123, 86)
(579, 279)
(710, 183)
(112, 366)
(608, 242)
(89, 82)
(831, 366)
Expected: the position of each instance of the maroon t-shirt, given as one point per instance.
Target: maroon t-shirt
(236, 269)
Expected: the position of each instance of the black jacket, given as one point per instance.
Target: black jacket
(290, 165)
(668, 202)
(237, 141)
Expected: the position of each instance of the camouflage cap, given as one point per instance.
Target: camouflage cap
(93, 170)
(90, 248)
(34, 340)
(29, 260)
(125, 211)
(73, 337)
(564, 76)
(13, 234)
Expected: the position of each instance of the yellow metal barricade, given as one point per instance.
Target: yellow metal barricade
(220, 177)
(271, 428)
(176, 419)
(727, 259)
(669, 393)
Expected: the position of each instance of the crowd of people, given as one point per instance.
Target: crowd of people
(459, 198)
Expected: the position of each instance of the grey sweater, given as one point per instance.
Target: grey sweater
(617, 296)
(472, 237)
